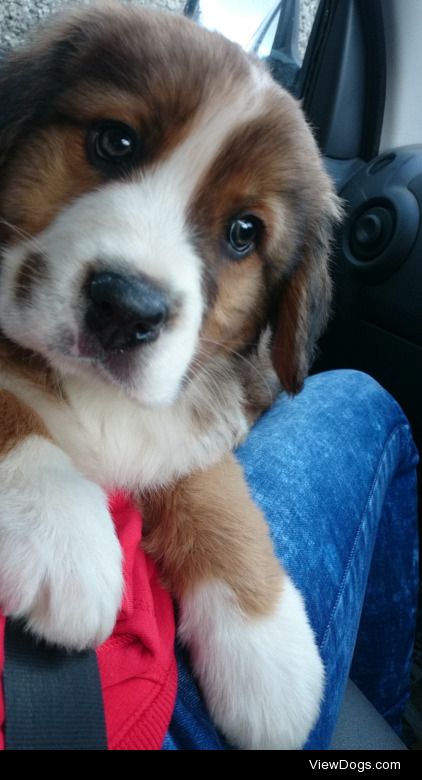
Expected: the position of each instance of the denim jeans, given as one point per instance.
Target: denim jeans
(333, 469)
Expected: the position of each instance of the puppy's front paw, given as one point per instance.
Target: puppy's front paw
(262, 677)
(60, 561)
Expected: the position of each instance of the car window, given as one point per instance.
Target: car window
(307, 12)
(275, 31)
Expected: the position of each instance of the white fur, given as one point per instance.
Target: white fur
(128, 227)
(135, 227)
(60, 561)
(232, 105)
(262, 677)
(117, 443)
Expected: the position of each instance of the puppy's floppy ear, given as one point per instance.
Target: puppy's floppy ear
(305, 303)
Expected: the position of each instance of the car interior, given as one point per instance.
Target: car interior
(355, 66)
(360, 90)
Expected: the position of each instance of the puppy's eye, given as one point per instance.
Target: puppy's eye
(112, 144)
(243, 234)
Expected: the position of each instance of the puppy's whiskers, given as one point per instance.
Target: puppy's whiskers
(248, 362)
(23, 234)
(214, 399)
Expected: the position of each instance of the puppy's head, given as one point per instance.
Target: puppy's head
(161, 198)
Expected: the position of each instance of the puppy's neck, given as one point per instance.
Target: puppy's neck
(121, 444)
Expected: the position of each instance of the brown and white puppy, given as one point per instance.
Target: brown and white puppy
(158, 194)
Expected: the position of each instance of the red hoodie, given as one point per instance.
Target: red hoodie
(137, 663)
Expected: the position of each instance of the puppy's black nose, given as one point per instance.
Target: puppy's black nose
(124, 311)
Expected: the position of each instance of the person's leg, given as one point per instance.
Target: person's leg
(334, 472)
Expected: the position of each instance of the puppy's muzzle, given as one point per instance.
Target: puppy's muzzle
(124, 311)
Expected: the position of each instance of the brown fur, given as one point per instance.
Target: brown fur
(267, 167)
(302, 314)
(284, 185)
(22, 363)
(52, 73)
(17, 422)
(92, 67)
(48, 170)
(237, 308)
(208, 527)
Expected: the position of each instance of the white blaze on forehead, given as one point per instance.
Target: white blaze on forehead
(141, 222)
(228, 108)
(136, 226)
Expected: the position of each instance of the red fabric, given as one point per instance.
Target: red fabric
(137, 663)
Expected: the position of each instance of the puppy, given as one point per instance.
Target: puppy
(165, 221)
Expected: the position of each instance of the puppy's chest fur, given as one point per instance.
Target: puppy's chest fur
(119, 444)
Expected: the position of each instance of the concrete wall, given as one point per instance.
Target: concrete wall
(16, 16)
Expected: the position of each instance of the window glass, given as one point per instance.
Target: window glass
(253, 23)
(239, 20)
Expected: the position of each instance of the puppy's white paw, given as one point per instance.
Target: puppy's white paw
(60, 560)
(262, 677)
